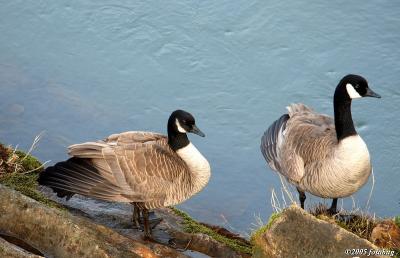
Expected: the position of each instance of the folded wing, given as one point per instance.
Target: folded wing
(298, 140)
(126, 167)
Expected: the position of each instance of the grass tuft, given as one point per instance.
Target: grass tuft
(256, 234)
(20, 172)
(192, 226)
(28, 162)
(357, 223)
(397, 221)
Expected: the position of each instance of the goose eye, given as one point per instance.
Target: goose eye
(357, 86)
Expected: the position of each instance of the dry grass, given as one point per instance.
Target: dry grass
(356, 222)
(13, 160)
(284, 198)
(20, 170)
(261, 230)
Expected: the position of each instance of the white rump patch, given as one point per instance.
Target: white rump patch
(352, 92)
(180, 128)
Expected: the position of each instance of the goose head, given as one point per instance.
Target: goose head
(353, 87)
(182, 122)
(179, 124)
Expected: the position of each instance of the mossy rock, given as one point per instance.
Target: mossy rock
(297, 233)
(274, 216)
(193, 227)
(27, 185)
(257, 235)
(23, 178)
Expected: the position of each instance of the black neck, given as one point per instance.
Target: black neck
(343, 120)
(176, 139)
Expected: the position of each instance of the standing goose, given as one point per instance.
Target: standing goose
(146, 169)
(320, 155)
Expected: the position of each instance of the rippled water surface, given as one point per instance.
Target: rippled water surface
(81, 71)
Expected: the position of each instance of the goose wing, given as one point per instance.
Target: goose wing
(272, 140)
(126, 167)
(303, 138)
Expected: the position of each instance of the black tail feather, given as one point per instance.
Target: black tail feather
(270, 139)
(76, 176)
(46, 175)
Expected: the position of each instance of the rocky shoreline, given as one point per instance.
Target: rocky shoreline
(36, 223)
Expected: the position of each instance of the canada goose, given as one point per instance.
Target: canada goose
(146, 169)
(318, 154)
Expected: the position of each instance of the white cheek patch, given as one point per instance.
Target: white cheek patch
(180, 128)
(352, 92)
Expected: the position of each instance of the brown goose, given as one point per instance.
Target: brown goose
(146, 169)
(318, 154)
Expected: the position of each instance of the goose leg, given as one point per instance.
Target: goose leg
(333, 209)
(147, 228)
(302, 197)
(136, 216)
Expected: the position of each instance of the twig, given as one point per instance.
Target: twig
(188, 244)
(275, 202)
(283, 198)
(41, 166)
(353, 206)
(372, 189)
(285, 187)
(34, 144)
(341, 204)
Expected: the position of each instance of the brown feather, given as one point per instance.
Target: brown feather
(141, 164)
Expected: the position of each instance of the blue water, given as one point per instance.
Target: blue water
(83, 70)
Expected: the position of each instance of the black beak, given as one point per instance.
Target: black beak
(370, 93)
(197, 131)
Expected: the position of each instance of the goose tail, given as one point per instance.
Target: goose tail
(47, 176)
(297, 108)
(78, 176)
(272, 140)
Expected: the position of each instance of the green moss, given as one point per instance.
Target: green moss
(397, 220)
(274, 216)
(192, 226)
(28, 162)
(26, 183)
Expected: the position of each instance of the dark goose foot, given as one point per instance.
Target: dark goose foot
(346, 218)
(138, 220)
(333, 209)
(153, 222)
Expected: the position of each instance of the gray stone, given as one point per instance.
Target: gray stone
(298, 234)
(8, 250)
(58, 234)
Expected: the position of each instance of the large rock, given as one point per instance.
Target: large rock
(386, 235)
(171, 231)
(10, 250)
(296, 233)
(58, 234)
